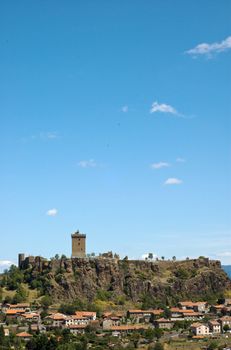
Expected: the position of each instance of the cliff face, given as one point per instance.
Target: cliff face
(165, 281)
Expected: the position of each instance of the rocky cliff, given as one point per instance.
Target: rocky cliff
(161, 281)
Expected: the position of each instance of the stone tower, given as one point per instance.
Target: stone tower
(78, 245)
(21, 258)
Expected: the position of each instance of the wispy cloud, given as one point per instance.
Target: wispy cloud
(87, 163)
(124, 109)
(49, 135)
(46, 135)
(166, 109)
(5, 264)
(224, 254)
(162, 108)
(210, 49)
(160, 165)
(52, 212)
(173, 181)
(180, 160)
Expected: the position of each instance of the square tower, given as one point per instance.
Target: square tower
(78, 245)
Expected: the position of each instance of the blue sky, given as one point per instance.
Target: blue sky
(115, 120)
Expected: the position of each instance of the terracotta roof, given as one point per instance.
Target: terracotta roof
(128, 327)
(150, 311)
(157, 311)
(86, 313)
(75, 317)
(20, 305)
(197, 324)
(30, 315)
(198, 337)
(57, 317)
(176, 309)
(190, 313)
(219, 306)
(225, 318)
(214, 323)
(186, 303)
(14, 311)
(23, 335)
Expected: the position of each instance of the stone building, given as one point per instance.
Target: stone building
(78, 245)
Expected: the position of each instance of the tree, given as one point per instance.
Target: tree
(149, 334)
(20, 295)
(167, 313)
(45, 302)
(174, 258)
(2, 335)
(135, 337)
(213, 345)
(225, 328)
(158, 332)
(150, 256)
(162, 257)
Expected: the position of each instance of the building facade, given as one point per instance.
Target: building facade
(78, 245)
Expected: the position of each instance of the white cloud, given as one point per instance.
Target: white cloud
(180, 160)
(160, 165)
(5, 264)
(224, 254)
(46, 135)
(173, 181)
(124, 109)
(163, 108)
(50, 135)
(87, 163)
(52, 212)
(210, 49)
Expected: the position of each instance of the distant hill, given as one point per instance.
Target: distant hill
(227, 269)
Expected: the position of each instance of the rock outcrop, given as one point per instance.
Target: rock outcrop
(164, 281)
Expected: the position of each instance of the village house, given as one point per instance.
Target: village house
(188, 315)
(199, 329)
(164, 323)
(77, 329)
(6, 332)
(225, 321)
(110, 322)
(56, 320)
(24, 335)
(125, 329)
(217, 308)
(200, 306)
(30, 317)
(119, 314)
(90, 315)
(20, 306)
(14, 313)
(143, 315)
(76, 320)
(214, 326)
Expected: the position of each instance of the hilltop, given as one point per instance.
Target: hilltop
(115, 282)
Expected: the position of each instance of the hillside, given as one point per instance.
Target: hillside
(118, 281)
